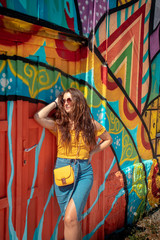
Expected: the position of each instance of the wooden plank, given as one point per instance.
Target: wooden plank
(3, 164)
(3, 126)
(2, 221)
(36, 193)
(19, 149)
(32, 123)
(3, 111)
(3, 202)
(8, 173)
(24, 169)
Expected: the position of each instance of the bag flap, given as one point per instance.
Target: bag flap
(63, 172)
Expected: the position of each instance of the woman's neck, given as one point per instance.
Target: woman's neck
(71, 123)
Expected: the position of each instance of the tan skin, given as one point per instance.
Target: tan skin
(72, 228)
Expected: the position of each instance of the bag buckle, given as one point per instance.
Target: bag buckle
(63, 180)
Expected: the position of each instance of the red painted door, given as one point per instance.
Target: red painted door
(4, 172)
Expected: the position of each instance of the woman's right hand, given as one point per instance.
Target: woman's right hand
(56, 101)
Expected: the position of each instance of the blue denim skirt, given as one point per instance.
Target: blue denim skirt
(81, 187)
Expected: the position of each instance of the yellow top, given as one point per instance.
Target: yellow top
(76, 150)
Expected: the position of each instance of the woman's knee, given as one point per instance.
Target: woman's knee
(70, 221)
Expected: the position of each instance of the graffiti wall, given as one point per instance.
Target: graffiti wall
(110, 50)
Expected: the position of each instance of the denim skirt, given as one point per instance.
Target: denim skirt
(79, 190)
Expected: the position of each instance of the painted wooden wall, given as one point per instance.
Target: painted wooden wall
(109, 50)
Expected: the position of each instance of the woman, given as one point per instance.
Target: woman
(76, 133)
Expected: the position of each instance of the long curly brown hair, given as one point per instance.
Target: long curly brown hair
(81, 115)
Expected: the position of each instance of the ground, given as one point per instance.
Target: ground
(147, 228)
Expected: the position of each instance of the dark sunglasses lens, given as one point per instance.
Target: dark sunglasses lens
(69, 100)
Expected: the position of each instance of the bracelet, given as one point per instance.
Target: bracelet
(56, 104)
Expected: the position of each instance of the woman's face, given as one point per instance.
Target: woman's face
(68, 102)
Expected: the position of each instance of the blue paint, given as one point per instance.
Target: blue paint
(145, 56)
(107, 24)
(143, 100)
(47, 10)
(144, 79)
(100, 116)
(23, 3)
(11, 4)
(55, 233)
(137, 191)
(7, 81)
(126, 14)
(118, 19)
(146, 38)
(37, 152)
(100, 190)
(148, 164)
(155, 83)
(97, 38)
(38, 231)
(128, 171)
(12, 232)
(134, 203)
(115, 106)
(132, 9)
(112, 4)
(140, 3)
(87, 76)
(148, 206)
(147, 17)
(120, 194)
(72, 13)
(117, 142)
(40, 55)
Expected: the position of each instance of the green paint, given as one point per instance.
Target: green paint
(126, 54)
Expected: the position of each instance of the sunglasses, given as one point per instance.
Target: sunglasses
(68, 100)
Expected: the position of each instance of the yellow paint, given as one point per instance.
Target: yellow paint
(122, 2)
(114, 124)
(158, 146)
(72, 46)
(2, 66)
(158, 121)
(153, 127)
(33, 73)
(131, 124)
(145, 153)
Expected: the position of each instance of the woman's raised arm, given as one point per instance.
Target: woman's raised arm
(41, 117)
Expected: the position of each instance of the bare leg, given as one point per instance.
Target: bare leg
(72, 228)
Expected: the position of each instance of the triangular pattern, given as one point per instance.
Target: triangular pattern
(131, 31)
(123, 72)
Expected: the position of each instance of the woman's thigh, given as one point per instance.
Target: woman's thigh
(71, 212)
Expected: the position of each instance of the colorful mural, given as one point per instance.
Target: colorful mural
(110, 50)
